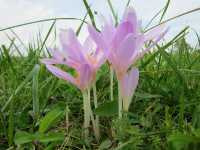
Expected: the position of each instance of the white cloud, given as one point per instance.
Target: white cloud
(19, 11)
(22, 11)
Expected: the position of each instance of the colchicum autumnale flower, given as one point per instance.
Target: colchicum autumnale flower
(124, 45)
(85, 59)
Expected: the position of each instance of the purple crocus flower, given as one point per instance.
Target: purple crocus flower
(124, 45)
(85, 59)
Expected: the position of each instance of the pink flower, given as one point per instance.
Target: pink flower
(124, 45)
(84, 59)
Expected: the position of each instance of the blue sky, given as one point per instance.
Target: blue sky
(19, 11)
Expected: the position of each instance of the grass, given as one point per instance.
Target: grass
(165, 109)
(39, 111)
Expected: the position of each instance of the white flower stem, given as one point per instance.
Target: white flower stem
(97, 117)
(111, 83)
(86, 114)
(119, 100)
(92, 116)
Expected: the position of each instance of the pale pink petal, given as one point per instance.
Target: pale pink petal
(128, 84)
(153, 43)
(89, 46)
(52, 61)
(108, 30)
(130, 16)
(73, 64)
(61, 74)
(100, 57)
(129, 47)
(96, 36)
(85, 76)
(57, 54)
(71, 45)
(122, 31)
(113, 59)
(133, 81)
(49, 61)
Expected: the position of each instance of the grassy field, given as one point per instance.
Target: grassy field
(40, 111)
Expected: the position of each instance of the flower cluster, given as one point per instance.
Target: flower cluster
(120, 45)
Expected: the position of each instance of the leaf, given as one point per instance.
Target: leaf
(180, 141)
(105, 144)
(35, 96)
(23, 137)
(147, 95)
(50, 137)
(107, 109)
(50, 119)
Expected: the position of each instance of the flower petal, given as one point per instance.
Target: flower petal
(130, 16)
(128, 85)
(158, 38)
(49, 61)
(128, 47)
(100, 57)
(61, 74)
(96, 36)
(89, 46)
(121, 32)
(85, 76)
(71, 46)
(108, 31)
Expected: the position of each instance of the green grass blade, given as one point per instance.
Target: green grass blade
(113, 12)
(11, 124)
(81, 25)
(17, 49)
(128, 3)
(47, 36)
(90, 13)
(165, 10)
(175, 17)
(172, 64)
(3, 123)
(39, 21)
(6, 52)
(152, 19)
(20, 87)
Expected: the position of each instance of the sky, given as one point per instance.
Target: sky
(13, 12)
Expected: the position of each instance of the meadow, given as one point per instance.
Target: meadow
(42, 112)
